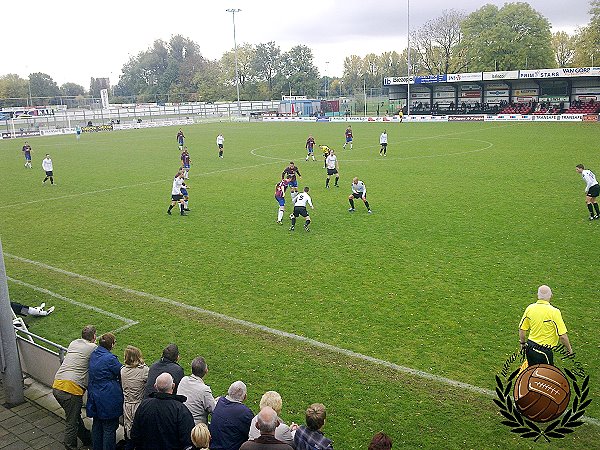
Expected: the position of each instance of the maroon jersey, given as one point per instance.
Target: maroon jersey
(280, 188)
(291, 171)
(348, 133)
(185, 158)
(310, 143)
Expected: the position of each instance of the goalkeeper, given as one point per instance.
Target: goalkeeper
(325, 151)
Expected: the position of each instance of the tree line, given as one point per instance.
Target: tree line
(514, 36)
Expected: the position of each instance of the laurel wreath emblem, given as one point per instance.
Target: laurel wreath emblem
(529, 429)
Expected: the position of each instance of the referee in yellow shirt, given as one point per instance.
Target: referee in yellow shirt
(546, 327)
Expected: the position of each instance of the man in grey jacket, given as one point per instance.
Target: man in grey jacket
(200, 400)
(70, 383)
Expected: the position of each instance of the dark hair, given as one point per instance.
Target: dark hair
(89, 333)
(380, 441)
(107, 340)
(580, 166)
(199, 366)
(306, 189)
(315, 416)
(171, 352)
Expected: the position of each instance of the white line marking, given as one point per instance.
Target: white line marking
(285, 334)
(129, 322)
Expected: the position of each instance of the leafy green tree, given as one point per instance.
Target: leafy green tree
(267, 64)
(43, 86)
(247, 75)
(12, 86)
(563, 46)
(297, 72)
(438, 43)
(587, 49)
(71, 90)
(512, 37)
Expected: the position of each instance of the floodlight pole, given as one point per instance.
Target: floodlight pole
(408, 57)
(237, 75)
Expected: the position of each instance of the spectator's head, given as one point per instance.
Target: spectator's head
(201, 436)
(267, 420)
(171, 352)
(199, 367)
(108, 341)
(271, 399)
(315, 416)
(164, 383)
(544, 292)
(579, 168)
(89, 333)
(380, 441)
(133, 356)
(237, 391)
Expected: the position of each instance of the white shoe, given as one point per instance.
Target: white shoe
(350, 209)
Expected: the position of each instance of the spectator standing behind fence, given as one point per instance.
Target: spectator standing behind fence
(283, 433)
(168, 363)
(200, 400)
(134, 375)
(231, 419)
(70, 383)
(310, 437)
(105, 395)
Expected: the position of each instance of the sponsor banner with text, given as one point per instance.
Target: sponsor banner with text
(561, 73)
(525, 92)
(466, 118)
(19, 134)
(501, 75)
(471, 76)
(389, 81)
(470, 87)
(430, 79)
(590, 118)
(96, 128)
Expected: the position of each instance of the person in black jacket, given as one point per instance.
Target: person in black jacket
(162, 421)
(168, 363)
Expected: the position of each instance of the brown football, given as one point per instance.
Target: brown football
(542, 393)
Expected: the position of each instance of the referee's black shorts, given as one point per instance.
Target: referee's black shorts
(538, 354)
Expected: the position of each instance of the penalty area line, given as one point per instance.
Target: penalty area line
(128, 322)
(254, 326)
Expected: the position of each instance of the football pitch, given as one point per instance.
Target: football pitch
(468, 220)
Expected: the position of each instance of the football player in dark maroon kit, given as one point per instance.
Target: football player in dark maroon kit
(292, 171)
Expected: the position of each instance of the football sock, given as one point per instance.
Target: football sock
(293, 221)
(350, 146)
(51, 180)
(185, 204)
(307, 223)
(336, 180)
(181, 208)
(327, 182)
(589, 205)
(45, 179)
(597, 208)
(351, 203)
(170, 208)
(280, 215)
(367, 204)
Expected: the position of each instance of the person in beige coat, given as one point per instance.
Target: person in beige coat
(134, 375)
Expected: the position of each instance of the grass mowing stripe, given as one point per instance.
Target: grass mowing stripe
(252, 325)
(129, 322)
(146, 183)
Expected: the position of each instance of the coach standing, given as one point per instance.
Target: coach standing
(546, 328)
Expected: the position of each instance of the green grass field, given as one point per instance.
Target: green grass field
(468, 219)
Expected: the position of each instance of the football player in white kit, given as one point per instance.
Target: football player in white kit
(300, 209)
(592, 190)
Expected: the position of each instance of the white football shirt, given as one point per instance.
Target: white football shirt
(47, 164)
(302, 199)
(383, 138)
(177, 183)
(359, 188)
(220, 139)
(589, 178)
(330, 161)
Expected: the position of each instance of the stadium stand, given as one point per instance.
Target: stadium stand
(578, 107)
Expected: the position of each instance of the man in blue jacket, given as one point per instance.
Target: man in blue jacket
(231, 419)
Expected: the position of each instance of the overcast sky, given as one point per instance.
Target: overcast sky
(75, 40)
